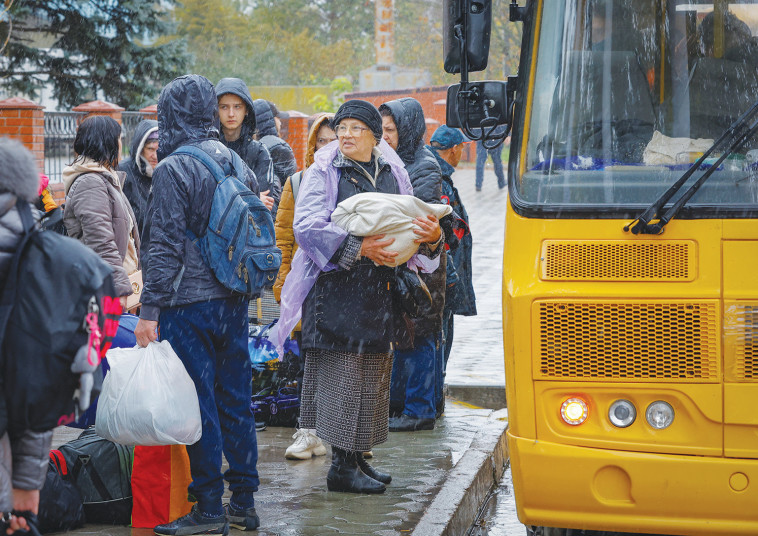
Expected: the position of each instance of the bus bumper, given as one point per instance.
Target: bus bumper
(587, 488)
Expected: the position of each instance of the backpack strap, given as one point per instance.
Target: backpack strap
(214, 167)
(295, 182)
(8, 299)
(195, 152)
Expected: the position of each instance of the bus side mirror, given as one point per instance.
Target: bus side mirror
(480, 105)
(466, 23)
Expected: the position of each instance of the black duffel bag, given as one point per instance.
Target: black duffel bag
(102, 472)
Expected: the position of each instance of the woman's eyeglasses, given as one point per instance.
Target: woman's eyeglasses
(354, 130)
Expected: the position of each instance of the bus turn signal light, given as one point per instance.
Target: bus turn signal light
(574, 411)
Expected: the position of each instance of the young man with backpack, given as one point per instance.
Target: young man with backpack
(204, 320)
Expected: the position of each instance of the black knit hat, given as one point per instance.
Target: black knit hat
(362, 111)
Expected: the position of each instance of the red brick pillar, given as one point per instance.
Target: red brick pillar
(98, 107)
(24, 120)
(297, 135)
(150, 112)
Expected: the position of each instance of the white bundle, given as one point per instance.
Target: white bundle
(374, 213)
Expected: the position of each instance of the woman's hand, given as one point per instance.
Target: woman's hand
(429, 229)
(145, 332)
(267, 200)
(373, 248)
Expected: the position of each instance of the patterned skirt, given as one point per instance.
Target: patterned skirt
(350, 406)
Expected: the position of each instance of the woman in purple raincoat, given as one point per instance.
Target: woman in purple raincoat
(345, 288)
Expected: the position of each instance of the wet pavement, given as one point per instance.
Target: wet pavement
(476, 357)
(293, 499)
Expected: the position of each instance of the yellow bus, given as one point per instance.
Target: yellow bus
(631, 343)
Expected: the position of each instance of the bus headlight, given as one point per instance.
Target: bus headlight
(622, 413)
(574, 411)
(659, 415)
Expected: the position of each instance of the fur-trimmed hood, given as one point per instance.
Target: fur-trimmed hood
(18, 171)
(321, 120)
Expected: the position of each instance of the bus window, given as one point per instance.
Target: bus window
(615, 80)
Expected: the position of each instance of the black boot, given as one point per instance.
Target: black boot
(345, 475)
(384, 478)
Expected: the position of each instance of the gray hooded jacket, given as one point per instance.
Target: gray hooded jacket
(23, 456)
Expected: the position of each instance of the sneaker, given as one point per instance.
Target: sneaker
(194, 523)
(306, 445)
(242, 519)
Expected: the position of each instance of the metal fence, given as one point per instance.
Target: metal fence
(60, 132)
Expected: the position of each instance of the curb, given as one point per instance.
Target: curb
(483, 396)
(455, 507)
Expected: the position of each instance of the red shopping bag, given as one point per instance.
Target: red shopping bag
(160, 476)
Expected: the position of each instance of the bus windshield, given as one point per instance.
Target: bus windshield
(627, 95)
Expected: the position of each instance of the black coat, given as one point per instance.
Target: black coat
(174, 273)
(281, 153)
(426, 178)
(253, 152)
(137, 184)
(351, 310)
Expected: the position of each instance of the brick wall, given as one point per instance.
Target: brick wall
(24, 120)
(295, 133)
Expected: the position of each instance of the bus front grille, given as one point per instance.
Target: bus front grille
(629, 340)
(618, 260)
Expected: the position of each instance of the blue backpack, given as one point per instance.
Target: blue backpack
(239, 244)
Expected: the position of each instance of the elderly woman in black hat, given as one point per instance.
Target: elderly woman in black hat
(344, 284)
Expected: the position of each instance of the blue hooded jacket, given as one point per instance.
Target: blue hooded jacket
(174, 273)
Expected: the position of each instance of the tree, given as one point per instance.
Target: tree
(120, 49)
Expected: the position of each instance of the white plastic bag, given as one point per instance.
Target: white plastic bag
(148, 398)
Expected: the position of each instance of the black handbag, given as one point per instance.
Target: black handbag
(411, 294)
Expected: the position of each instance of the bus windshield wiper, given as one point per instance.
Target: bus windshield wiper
(651, 221)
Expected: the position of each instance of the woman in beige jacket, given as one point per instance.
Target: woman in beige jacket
(97, 212)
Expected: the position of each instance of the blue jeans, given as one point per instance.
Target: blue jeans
(481, 160)
(211, 340)
(414, 378)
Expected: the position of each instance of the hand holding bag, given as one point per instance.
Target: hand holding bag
(148, 398)
(411, 294)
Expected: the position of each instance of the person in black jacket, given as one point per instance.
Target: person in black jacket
(23, 453)
(205, 322)
(237, 116)
(268, 124)
(447, 145)
(139, 168)
(419, 354)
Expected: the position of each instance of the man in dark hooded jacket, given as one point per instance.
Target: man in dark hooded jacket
(205, 322)
(418, 359)
(267, 121)
(447, 145)
(139, 168)
(237, 131)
